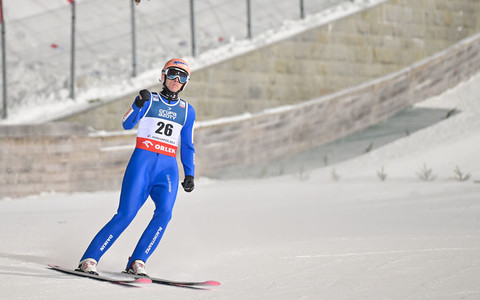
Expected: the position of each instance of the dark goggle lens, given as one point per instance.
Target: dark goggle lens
(174, 73)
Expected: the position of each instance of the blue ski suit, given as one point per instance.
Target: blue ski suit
(152, 171)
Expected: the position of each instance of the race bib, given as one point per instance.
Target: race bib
(159, 130)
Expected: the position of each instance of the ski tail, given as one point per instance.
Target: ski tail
(126, 282)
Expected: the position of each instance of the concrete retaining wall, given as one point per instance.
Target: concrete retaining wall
(64, 157)
(344, 53)
(59, 157)
(282, 132)
(336, 64)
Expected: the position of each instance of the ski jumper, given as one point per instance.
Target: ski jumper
(152, 171)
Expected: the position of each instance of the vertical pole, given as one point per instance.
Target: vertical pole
(302, 10)
(192, 27)
(72, 53)
(4, 64)
(249, 20)
(134, 41)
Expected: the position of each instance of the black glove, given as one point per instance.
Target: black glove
(188, 184)
(144, 95)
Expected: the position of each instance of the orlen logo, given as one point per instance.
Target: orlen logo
(148, 144)
(158, 147)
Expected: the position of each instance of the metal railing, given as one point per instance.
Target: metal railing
(113, 40)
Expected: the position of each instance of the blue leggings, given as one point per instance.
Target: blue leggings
(147, 174)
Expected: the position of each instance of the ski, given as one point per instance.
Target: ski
(126, 283)
(185, 284)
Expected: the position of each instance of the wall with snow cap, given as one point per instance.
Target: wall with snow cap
(406, 44)
(284, 131)
(341, 53)
(66, 157)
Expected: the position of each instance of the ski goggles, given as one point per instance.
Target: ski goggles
(172, 73)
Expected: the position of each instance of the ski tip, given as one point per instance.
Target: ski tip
(212, 283)
(143, 280)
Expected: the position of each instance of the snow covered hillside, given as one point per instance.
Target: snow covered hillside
(349, 236)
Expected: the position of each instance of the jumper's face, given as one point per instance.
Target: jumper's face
(175, 78)
(173, 85)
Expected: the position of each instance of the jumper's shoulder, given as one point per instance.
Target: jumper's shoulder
(188, 106)
(155, 96)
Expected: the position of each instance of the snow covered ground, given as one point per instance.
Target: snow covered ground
(337, 233)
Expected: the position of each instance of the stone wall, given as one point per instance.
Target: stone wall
(65, 157)
(340, 54)
(267, 136)
(60, 157)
